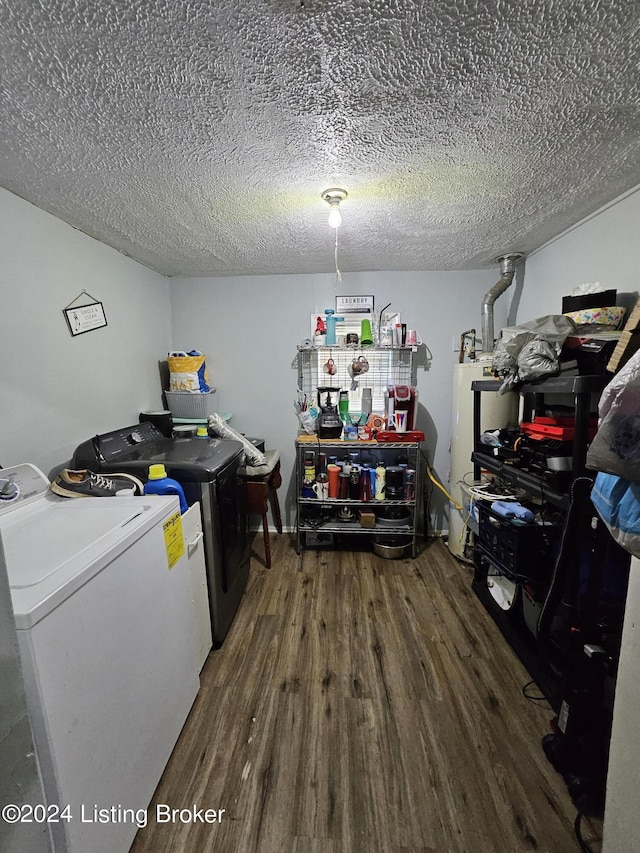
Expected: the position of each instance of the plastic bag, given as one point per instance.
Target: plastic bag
(308, 420)
(532, 350)
(616, 446)
(188, 372)
(618, 504)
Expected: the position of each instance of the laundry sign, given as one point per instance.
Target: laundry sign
(354, 305)
(84, 318)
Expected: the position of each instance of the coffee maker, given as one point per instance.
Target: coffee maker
(401, 398)
(329, 424)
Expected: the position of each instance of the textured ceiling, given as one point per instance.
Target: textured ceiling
(197, 135)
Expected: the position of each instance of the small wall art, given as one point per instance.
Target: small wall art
(84, 318)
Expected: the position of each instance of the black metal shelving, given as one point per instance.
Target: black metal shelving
(584, 391)
(581, 388)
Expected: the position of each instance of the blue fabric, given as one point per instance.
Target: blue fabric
(618, 504)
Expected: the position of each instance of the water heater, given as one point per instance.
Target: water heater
(495, 412)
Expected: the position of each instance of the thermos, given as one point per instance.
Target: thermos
(343, 406)
(410, 485)
(366, 401)
(366, 338)
(159, 484)
(381, 475)
(354, 487)
(333, 472)
(321, 487)
(331, 321)
(365, 484)
(344, 480)
(309, 474)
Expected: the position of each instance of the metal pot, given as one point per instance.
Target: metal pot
(390, 547)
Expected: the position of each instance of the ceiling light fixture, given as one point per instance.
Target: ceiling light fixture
(333, 197)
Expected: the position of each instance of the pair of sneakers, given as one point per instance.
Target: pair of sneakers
(86, 484)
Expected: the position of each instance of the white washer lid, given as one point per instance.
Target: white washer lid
(52, 547)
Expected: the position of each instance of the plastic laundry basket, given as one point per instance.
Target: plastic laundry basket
(185, 404)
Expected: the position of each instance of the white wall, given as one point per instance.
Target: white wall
(622, 822)
(603, 248)
(249, 328)
(55, 390)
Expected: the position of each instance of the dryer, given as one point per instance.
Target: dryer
(207, 469)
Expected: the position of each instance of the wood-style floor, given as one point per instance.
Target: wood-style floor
(362, 704)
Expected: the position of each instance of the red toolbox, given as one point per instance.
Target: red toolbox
(560, 428)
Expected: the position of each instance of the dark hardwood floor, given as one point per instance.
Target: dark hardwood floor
(362, 704)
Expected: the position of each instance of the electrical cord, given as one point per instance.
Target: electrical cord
(578, 831)
(439, 485)
(484, 494)
(531, 698)
(479, 489)
(513, 577)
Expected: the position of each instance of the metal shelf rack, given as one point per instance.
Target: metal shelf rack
(387, 366)
(328, 509)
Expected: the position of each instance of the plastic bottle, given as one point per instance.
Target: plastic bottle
(202, 432)
(159, 484)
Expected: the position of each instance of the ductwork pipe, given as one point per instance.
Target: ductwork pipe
(507, 269)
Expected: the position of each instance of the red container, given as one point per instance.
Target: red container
(562, 429)
(334, 474)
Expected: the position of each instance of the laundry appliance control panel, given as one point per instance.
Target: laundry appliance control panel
(20, 485)
(111, 446)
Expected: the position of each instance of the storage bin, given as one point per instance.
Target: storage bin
(522, 551)
(185, 404)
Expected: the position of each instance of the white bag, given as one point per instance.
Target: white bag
(616, 446)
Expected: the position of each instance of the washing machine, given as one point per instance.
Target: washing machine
(102, 605)
(207, 469)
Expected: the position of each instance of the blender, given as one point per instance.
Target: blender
(329, 424)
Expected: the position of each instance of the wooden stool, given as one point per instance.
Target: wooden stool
(260, 482)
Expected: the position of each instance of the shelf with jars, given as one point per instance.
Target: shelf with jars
(369, 488)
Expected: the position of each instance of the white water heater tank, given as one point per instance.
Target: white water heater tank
(495, 412)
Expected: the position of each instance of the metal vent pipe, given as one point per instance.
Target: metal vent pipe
(507, 269)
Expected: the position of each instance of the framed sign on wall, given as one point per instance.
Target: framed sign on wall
(84, 318)
(354, 305)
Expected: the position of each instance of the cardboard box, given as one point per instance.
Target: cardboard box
(629, 342)
(367, 519)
